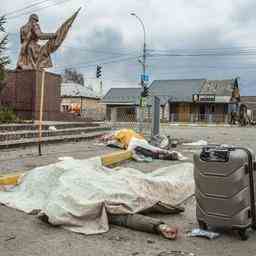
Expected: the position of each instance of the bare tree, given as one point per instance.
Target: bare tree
(71, 75)
(4, 60)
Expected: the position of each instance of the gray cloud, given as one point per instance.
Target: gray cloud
(104, 28)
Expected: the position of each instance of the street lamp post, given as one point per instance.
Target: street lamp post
(143, 62)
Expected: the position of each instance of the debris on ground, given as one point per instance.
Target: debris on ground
(52, 128)
(175, 253)
(165, 142)
(79, 194)
(62, 158)
(11, 237)
(98, 144)
(197, 143)
(119, 239)
(142, 150)
(204, 233)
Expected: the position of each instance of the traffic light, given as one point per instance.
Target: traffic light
(144, 93)
(98, 71)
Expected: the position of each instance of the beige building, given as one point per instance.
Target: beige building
(184, 100)
(82, 100)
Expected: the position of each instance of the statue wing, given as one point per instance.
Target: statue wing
(53, 44)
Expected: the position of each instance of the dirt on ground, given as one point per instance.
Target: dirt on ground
(25, 235)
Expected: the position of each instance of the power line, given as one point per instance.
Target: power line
(204, 54)
(37, 9)
(26, 7)
(95, 62)
(98, 51)
(106, 51)
(202, 49)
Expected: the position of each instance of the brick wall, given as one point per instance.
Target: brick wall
(52, 98)
(19, 92)
(23, 92)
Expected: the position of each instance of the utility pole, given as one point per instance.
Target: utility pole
(81, 106)
(143, 76)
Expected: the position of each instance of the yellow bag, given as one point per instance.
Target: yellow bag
(124, 137)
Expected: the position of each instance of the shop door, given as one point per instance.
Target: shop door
(184, 111)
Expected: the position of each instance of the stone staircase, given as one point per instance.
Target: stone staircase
(22, 135)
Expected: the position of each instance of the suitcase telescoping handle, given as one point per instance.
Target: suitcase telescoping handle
(215, 153)
(251, 167)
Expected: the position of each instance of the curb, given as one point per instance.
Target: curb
(51, 140)
(196, 125)
(33, 134)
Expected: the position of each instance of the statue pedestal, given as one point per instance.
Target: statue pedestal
(23, 91)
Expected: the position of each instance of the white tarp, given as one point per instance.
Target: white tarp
(77, 194)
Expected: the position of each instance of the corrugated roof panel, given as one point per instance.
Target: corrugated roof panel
(77, 90)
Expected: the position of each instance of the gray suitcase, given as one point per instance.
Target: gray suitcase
(225, 189)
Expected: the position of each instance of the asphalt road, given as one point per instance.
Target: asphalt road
(25, 235)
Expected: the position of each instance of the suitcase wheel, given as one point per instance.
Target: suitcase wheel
(202, 225)
(243, 235)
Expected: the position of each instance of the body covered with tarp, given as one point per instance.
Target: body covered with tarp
(79, 194)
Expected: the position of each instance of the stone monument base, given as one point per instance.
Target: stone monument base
(23, 91)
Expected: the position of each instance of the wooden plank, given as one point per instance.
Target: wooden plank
(41, 114)
(116, 157)
(10, 179)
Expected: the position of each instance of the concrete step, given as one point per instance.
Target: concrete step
(48, 140)
(46, 125)
(27, 134)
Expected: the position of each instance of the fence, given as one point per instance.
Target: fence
(93, 114)
(200, 118)
(128, 117)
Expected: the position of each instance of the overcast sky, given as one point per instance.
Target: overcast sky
(104, 33)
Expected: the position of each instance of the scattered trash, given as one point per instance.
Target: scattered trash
(164, 143)
(99, 144)
(174, 143)
(119, 238)
(12, 237)
(130, 140)
(52, 128)
(175, 253)
(204, 233)
(114, 144)
(150, 241)
(197, 143)
(63, 158)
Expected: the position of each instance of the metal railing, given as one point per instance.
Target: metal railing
(128, 117)
(199, 118)
(93, 114)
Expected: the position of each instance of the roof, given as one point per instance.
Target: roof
(122, 95)
(176, 90)
(249, 101)
(77, 90)
(172, 90)
(218, 87)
